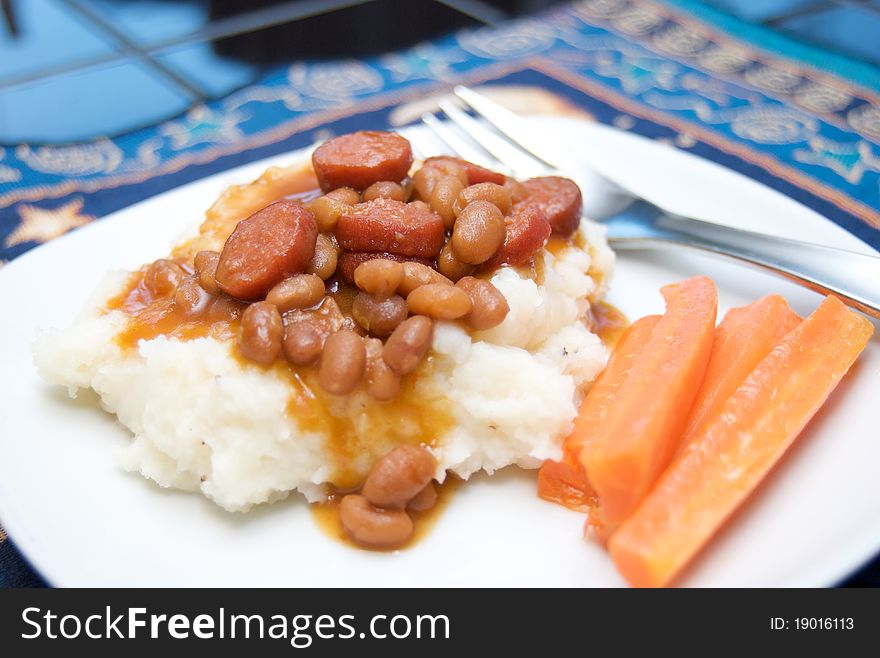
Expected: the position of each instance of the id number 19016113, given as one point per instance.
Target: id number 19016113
(812, 624)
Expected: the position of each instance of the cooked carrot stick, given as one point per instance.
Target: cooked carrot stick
(738, 445)
(640, 431)
(601, 396)
(565, 481)
(745, 336)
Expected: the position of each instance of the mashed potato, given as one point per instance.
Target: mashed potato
(203, 421)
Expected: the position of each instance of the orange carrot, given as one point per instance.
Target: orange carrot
(601, 397)
(565, 481)
(738, 445)
(745, 336)
(640, 432)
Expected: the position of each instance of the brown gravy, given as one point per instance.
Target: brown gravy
(357, 433)
(609, 323)
(152, 315)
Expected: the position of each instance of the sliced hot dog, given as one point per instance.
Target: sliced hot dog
(475, 173)
(362, 158)
(273, 243)
(349, 260)
(526, 231)
(393, 226)
(560, 199)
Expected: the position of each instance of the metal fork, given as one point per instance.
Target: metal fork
(503, 141)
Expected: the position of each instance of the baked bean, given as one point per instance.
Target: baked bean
(439, 301)
(297, 291)
(190, 297)
(379, 317)
(517, 190)
(205, 265)
(259, 336)
(372, 527)
(443, 197)
(421, 205)
(392, 226)
(271, 244)
(488, 305)
(494, 194)
(346, 195)
(398, 476)
(478, 232)
(424, 181)
(303, 342)
(305, 331)
(163, 276)
(560, 199)
(449, 167)
(383, 383)
(407, 185)
(349, 261)
(326, 256)
(362, 158)
(379, 277)
(475, 173)
(225, 309)
(385, 189)
(526, 230)
(327, 211)
(408, 343)
(327, 314)
(424, 500)
(450, 266)
(342, 362)
(418, 274)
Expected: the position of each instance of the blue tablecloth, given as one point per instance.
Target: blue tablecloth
(804, 122)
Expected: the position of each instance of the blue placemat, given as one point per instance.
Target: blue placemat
(800, 120)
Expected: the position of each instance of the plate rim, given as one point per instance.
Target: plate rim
(861, 547)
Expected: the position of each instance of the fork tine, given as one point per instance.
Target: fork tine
(418, 153)
(521, 132)
(523, 164)
(457, 144)
(425, 144)
(507, 123)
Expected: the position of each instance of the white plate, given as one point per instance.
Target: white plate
(82, 521)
